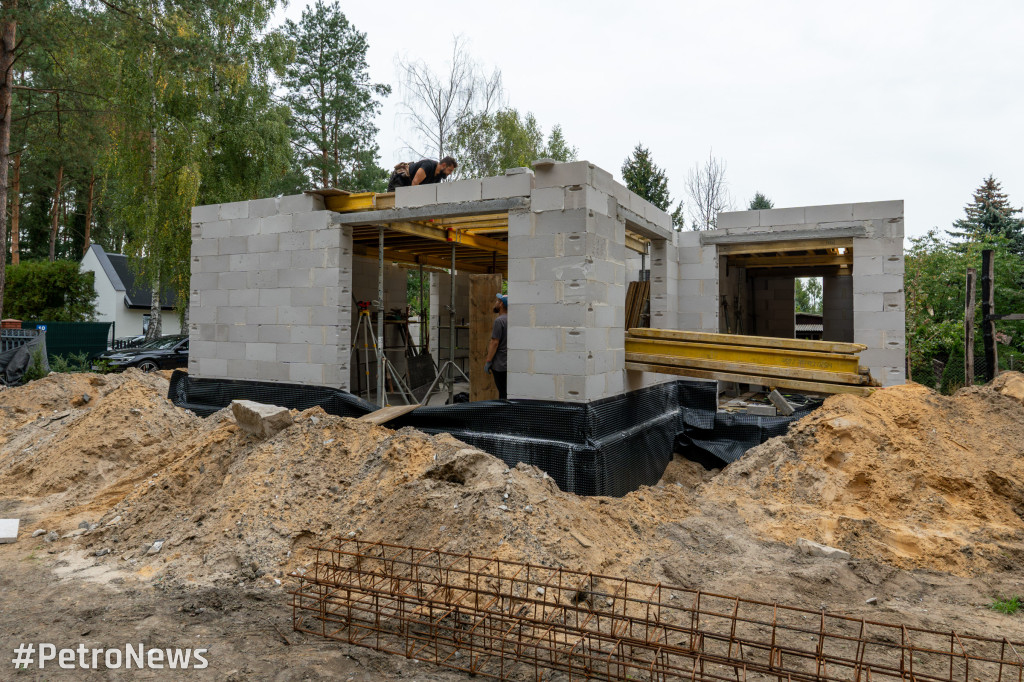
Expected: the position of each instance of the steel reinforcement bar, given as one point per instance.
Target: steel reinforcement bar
(504, 620)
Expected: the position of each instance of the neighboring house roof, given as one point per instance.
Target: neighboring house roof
(122, 277)
(809, 327)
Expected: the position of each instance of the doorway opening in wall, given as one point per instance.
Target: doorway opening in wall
(807, 302)
(787, 289)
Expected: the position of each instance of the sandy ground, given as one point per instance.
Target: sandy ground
(170, 530)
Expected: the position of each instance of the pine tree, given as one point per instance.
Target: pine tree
(760, 202)
(644, 178)
(332, 99)
(990, 214)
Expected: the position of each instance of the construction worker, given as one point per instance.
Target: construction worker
(497, 352)
(423, 172)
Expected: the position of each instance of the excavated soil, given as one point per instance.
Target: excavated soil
(924, 491)
(906, 476)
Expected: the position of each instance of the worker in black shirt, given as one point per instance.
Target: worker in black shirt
(423, 172)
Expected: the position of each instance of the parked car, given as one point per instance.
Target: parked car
(167, 352)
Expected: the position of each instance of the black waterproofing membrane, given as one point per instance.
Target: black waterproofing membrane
(607, 447)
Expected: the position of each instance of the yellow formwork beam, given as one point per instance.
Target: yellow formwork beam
(772, 357)
(359, 201)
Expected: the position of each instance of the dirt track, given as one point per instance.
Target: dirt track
(923, 490)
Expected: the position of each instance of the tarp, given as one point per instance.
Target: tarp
(16, 361)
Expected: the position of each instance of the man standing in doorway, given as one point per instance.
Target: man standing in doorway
(497, 352)
(423, 172)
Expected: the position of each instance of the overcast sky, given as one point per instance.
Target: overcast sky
(809, 102)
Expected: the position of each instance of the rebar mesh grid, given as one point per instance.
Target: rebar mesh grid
(509, 620)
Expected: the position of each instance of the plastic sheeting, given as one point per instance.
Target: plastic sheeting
(16, 361)
(608, 447)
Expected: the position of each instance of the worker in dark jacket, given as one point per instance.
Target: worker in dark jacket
(423, 172)
(496, 362)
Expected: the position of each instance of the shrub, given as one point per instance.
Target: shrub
(57, 292)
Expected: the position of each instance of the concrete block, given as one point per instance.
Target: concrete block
(273, 298)
(420, 195)
(300, 203)
(205, 214)
(261, 208)
(879, 321)
(261, 351)
(213, 367)
(459, 190)
(877, 247)
(242, 333)
(9, 530)
(518, 185)
(534, 247)
(306, 259)
(547, 199)
(204, 281)
(260, 419)
(324, 355)
(292, 352)
(262, 279)
(868, 303)
(309, 334)
(532, 386)
(526, 338)
(244, 227)
(309, 296)
(229, 246)
(272, 371)
(227, 350)
(878, 209)
(233, 280)
(829, 213)
(260, 315)
(302, 277)
(520, 224)
(893, 302)
(878, 284)
(214, 263)
(519, 170)
(276, 224)
(563, 174)
(293, 315)
(243, 297)
(864, 266)
(230, 315)
(306, 373)
(894, 265)
(243, 262)
(327, 238)
(295, 241)
(262, 243)
(520, 361)
(562, 315)
(658, 217)
(270, 334)
(233, 211)
(242, 369)
(314, 220)
(206, 247)
(782, 216)
(203, 315)
(738, 219)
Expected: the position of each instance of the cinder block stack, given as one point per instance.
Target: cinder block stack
(268, 281)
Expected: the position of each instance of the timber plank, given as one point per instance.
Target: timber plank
(772, 382)
(840, 347)
(774, 357)
(783, 246)
(482, 289)
(386, 414)
(749, 368)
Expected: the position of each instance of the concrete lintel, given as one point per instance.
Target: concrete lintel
(447, 210)
(783, 235)
(642, 225)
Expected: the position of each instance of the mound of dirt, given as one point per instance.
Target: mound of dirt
(233, 507)
(905, 476)
(80, 439)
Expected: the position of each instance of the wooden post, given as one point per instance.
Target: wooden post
(988, 311)
(482, 289)
(969, 328)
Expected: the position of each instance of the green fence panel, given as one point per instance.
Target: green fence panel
(67, 338)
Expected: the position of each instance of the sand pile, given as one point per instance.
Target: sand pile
(75, 439)
(232, 507)
(905, 476)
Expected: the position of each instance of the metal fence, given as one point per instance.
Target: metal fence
(509, 620)
(72, 338)
(15, 338)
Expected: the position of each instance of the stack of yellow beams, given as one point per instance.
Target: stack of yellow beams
(792, 364)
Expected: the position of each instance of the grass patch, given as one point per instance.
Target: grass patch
(1007, 605)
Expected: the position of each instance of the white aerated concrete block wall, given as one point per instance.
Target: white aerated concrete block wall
(270, 290)
(698, 303)
(567, 286)
(868, 309)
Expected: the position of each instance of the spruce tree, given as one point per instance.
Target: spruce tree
(644, 178)
(990, 213)
(760, 202)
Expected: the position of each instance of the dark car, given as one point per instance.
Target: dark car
(167, 352)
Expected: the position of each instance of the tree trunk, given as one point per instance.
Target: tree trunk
(88, 214)
(155, 330)
(16, 212)
(7, 45)
(56, 214)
